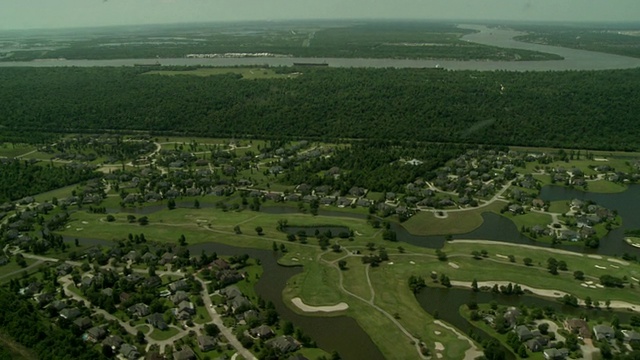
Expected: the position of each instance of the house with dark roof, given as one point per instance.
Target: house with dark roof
(96, 333)
(187, 306)
(524, 333)
(129, 351)
(631, 337)
(262, 332)
(113, 341)
(178, 297)
(206, 343)
(178, 285)
(157, 321)
(70, 313)
(139, 310)
(555, 354)
(83, 323)
(284, 344)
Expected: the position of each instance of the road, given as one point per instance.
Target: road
(226, 332)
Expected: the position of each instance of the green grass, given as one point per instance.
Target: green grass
(247, 73)
(559, 207)
(14, 349)
(458, 222)
(163, 335)
(143, 328)
(529, 219)
(13, 150)
(604, 186)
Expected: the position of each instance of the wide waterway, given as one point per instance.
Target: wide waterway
(573, 59)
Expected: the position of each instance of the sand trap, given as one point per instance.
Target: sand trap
(79, 229)
(294, 259)
(357, 233)
(308, 308)
(588, 282)
(84, 222)
(412, 262)
(618, 261)
(615, 266)
(439, 356)
(437, 332)
(502, 256)
(584, 285)
(68, 226)
(592, 287)
(599, 286)
(390, 263)
(595, 256)
(439, 346)
(454, 265)
(601, 267)
(634, 279)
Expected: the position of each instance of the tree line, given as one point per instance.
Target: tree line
(586, 109)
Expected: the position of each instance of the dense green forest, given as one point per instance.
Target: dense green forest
(594, 110)
(20, 318)
(23, 178)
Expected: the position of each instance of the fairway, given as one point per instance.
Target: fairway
(247, 73)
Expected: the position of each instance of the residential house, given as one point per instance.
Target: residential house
(139, 310)
(555, 354)
(206, 343)
(534, 345)
(178, 285)
(631, 337)
(83, 323)
(578, 326)
(179, 297)
(129, 351)
(58, 305)
(187, 306)
(220, 264)
(262, 332)
(96, 333)
(157, 321)
(603, 332)
(284, 344)
(149, 257)
(70, 313)
(166, 258)
(113, 341)
(524, 333)
(152, 282)
(185, 354)
(239, 303)
(124, 297)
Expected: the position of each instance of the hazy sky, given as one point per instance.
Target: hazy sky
(23, 14)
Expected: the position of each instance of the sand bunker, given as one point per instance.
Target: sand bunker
(454, 265)
(618, 261)
(439, 346)
(308, 308)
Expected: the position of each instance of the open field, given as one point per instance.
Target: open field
(10, 349)
(246, 73)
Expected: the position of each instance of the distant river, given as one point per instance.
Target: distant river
(573, 59)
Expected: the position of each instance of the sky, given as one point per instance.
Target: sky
(29, 14)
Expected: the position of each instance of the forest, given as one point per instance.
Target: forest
(20, 319)
(591, 110)
(23, 178)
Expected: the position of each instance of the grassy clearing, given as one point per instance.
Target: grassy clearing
(247, 73)
(529, 219)
(559, 207)
(604, 186)
(13, 150)
(457, 222)
(163, 335)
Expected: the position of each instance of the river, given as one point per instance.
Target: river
(573, 59)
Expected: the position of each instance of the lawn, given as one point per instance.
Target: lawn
(604, 186)
(251, 73)
(559, 207)
(164, 335)
(529, 219)
(14, 349)
(457, 222)
(13, 150)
